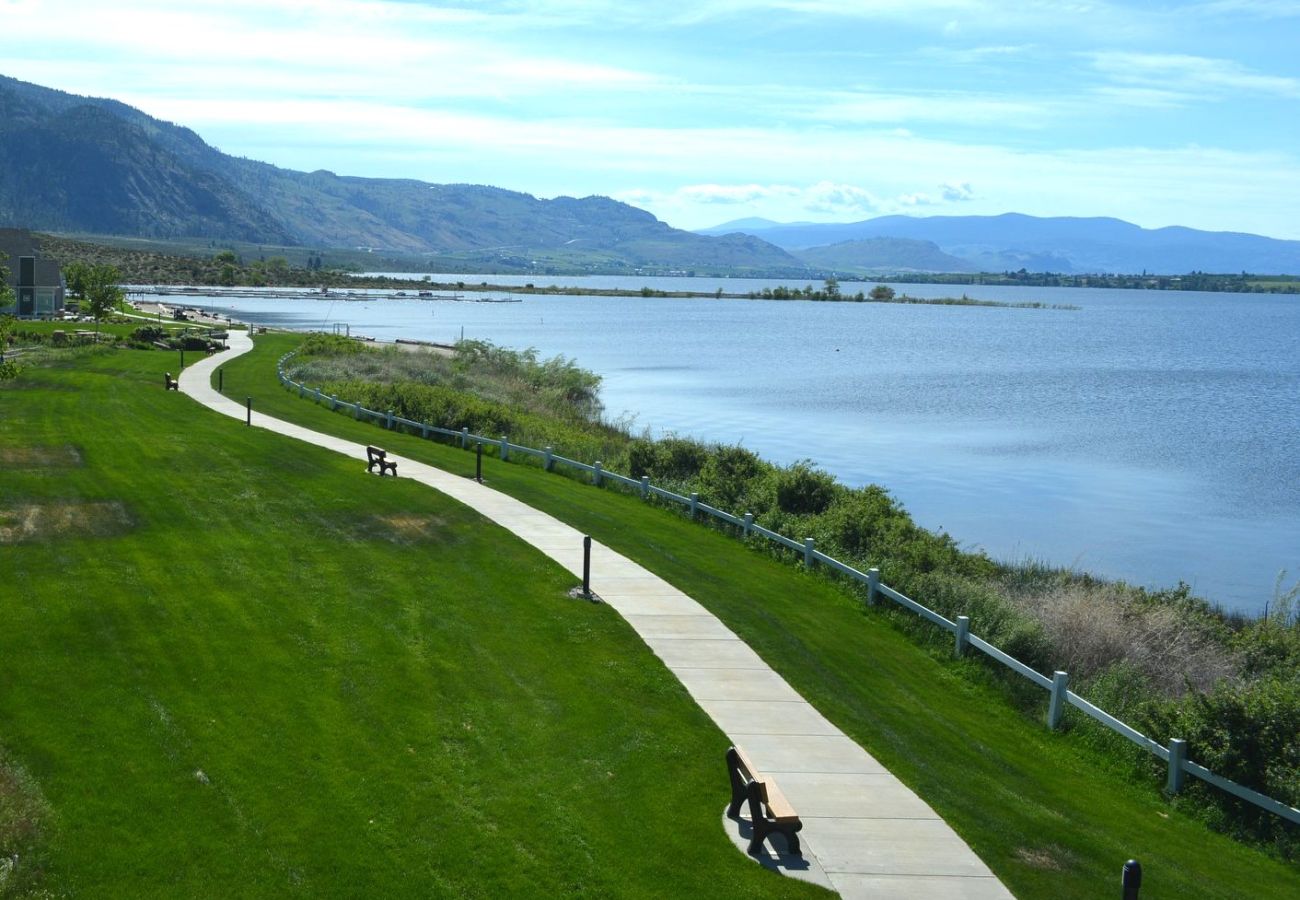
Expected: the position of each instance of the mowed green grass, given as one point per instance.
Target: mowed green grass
(239, 666)
(1052, 817)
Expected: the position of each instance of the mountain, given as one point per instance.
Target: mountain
(1013, 241)
(883, 255)
(90, 165)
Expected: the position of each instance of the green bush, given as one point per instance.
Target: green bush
(804, 490)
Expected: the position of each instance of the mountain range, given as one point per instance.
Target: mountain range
(87, 165)
(96, 166)
(1012, 241)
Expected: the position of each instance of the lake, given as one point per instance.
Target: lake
(1148, 436)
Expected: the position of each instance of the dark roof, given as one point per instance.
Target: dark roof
(16, 242)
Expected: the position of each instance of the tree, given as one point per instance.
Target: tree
(226, 256)
(75, 274)
(882, 292)
(832, 288)
(102, 292)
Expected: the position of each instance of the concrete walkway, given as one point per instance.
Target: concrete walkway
(865, 834)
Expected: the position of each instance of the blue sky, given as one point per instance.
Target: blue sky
(795, 110)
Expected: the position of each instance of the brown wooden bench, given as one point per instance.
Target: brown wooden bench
(169, 383)
(769, 811)
(377, 457)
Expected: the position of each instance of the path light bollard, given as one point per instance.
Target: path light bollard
(963, 636)
(645, 487)
(548, 459)
(1131, 879)
(478, 462)
(182, 359)
(873, 586)
(1056, 706)
(505, 448)
(1177, 756)
(464, 438)
(695, 504)
(249, 404)
(749, 523)
(808, 546)
(595, 474)
(586, 566)
(221, 380)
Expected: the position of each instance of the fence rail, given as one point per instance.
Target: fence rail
(1055, 686)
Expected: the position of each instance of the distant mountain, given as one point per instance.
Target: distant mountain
(87, 165)
(1014, 241)
(883, 255)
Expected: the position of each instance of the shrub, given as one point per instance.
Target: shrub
(804, 490)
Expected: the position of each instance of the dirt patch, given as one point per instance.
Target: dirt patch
(26, 522)
(64, 457)
(1046, 859)
(405, 528)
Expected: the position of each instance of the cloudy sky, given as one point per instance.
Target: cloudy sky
(702, 112)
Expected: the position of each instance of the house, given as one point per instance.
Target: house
(37, 283)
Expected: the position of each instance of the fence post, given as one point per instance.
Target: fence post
(547, 460)
(464, 438)
(1056, 706)
(1131, 879)
(424, 429)
(318, 395)
(390, 420)
(873, 585)
(695, 504)
(334, 402)
(749, 523)
(356, 410)
(808, 545)
(1177, 756)
(302, 389)
(963, 633)
(595, 474)
(505, 448)
(645, 486)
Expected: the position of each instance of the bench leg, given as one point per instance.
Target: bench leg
(761, 826)
(737, 783)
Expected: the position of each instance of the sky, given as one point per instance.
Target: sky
(1160, 113)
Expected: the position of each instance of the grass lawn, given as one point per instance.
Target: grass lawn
(1051, 816)
(235, 665)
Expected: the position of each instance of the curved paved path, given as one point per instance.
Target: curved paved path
(865, 834)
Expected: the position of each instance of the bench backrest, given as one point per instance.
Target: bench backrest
(375, 453)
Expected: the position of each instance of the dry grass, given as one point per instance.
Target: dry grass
(64, 457)
(25, 522)
(1094, 627)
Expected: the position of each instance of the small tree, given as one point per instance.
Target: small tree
(882, 292)
(832, 288)
(102, 292)
(75, 275)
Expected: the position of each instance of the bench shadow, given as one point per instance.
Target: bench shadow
(774, 854)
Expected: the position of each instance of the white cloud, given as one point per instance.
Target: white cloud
(1193, 75)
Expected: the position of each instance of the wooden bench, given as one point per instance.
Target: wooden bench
(379, 458)
(169, 383)
(769, 811)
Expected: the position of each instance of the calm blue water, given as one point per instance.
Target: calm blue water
(1149, 436)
